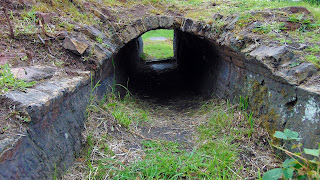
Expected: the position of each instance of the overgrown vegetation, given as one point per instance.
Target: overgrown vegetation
(157, 49)
(221, 138)
(9, 82)
(297, 166)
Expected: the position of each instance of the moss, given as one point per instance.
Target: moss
(283, 92)
(259, 96)
(269, 121)
(260, 105)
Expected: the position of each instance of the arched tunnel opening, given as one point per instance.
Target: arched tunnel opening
(192, 70)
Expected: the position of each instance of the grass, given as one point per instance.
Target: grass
(125, 111)
(158, 49)
(9, 82)
(166, 160)
(215, 155)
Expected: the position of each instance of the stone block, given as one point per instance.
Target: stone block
(272, 55)
(187, 25)
(33, 73)
(166, 22)
(93, 32)
(151, 22)
(304, 71)
(74, 45)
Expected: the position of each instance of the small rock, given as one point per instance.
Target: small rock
(304, 71)
(264, 14)
(274, 55)
(62, 35)
(266, 52)
(108, 14)
(47, 17)
(101, 53)
(254, 25)
(27, 3)
(100, 15)
(250, 48)
(232, 23)
(303, 46)
(74, 45)
(217, 16)
(297, 9)
(5, 57)
(87, 5)
(291, 25)
(92, 32)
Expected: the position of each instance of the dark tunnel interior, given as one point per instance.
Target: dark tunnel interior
(192, 71)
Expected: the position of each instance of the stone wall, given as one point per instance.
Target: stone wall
(210, 59)
(53, 137)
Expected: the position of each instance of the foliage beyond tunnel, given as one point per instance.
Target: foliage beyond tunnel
(157, 48)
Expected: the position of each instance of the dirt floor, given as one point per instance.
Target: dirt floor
(175, 119)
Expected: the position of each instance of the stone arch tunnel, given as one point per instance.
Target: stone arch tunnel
(210, 60)
(219, 64)
(199, 65)
(192, 68)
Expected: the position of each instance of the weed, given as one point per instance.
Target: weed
(243, 103)
(9, 82)
(99, 39)
(250, 119)
(92, 95)
(24, 119)
(66, 25)
(305, 23)
(268, 27)
(304, 168)
(122, 110)
(314, 49)
(294, 64)
(314, 59)
(20, 116)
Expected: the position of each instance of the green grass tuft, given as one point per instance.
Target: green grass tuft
(9, 82)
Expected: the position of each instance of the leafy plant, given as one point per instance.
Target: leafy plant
(9, 82)
(297, 162)
(99, 39)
